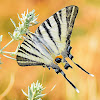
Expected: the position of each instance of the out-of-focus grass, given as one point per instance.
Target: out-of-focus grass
(86, 50)
(94, 2)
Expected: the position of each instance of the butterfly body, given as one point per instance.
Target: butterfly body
(50, 44)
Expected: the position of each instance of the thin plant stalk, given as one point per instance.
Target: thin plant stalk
(7, 44)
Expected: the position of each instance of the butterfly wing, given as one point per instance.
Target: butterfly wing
(58, 28)
(50, 38)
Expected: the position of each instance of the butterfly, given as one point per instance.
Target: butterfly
(50, 44)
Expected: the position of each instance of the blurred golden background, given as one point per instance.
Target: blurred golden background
(85, 41)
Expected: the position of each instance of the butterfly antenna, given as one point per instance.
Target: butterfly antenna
(60, 71)
(82, 69)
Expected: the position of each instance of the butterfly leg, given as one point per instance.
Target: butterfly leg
(58, 70)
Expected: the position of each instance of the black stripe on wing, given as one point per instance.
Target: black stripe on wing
(38, 30)
(68, 15)
(31, 39)
(29, 36)
(27, 52)
(33, 47)
(22, 52)
(25, 44)
(22, 61)
(49, 34)
(60, 14)
(48, 22)
(71, 13)
(58, 24)
(20, 58)
(31, 64)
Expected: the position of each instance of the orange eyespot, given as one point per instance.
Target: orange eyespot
(59, 56)
(58, 59)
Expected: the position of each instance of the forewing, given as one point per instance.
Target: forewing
(58, 28)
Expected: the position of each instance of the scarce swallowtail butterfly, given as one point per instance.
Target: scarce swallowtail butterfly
(50, 44)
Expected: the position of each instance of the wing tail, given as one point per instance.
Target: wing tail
(58, 70)
(82, 69)
(69, 81)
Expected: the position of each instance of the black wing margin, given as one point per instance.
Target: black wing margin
(72, 12)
